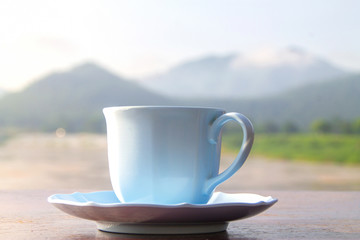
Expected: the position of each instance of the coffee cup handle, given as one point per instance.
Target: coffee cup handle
(214, 137)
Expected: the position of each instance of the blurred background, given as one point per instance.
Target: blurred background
(292, 67)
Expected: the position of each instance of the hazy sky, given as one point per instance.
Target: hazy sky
(138, 37)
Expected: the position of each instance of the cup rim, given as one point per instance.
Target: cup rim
(162, 107)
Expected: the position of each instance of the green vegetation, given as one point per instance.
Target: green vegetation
(334, 125)
(334, 148)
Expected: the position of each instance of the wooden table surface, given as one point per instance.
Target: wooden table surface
(297, 215)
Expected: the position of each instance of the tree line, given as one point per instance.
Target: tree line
(338, 126)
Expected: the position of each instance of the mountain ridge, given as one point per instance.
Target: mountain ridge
(338, 98)
(237, 75)
(74, 100)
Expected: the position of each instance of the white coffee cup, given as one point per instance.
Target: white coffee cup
(169, 155)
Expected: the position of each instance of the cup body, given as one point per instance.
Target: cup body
(161, 155)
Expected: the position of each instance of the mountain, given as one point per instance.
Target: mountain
(72, 100)
(337, 98)
(260, 74)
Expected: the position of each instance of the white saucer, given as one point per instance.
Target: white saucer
(113, 216)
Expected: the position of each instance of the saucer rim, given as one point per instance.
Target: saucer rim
(54, 199)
